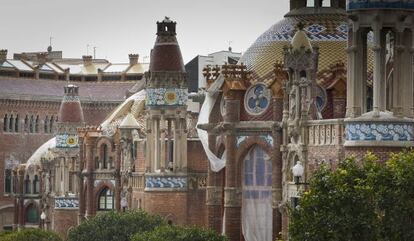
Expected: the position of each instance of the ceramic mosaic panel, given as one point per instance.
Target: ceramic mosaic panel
(396, 4)
(166, 97)
(66, 141)
(165, 182)
(372, 131)
(66, 203)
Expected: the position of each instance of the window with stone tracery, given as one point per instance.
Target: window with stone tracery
(106, 200)
(36, 186)
(27, 184)
(7, 180)
(11, 123)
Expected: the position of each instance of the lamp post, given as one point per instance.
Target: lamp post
(298, 171)
(43, 218)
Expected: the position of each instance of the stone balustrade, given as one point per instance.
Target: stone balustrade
(326, 132)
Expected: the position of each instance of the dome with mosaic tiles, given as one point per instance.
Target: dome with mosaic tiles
(326, 27)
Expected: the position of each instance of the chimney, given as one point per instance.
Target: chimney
(87, 60)
(3, 55)
(41, 58)
(133, 59)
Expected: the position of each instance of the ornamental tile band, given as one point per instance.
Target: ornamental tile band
(166, 97)
(165, 182)
(66, 203)
(371, 131)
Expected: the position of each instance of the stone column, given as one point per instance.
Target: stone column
(21, 219)
(378, 69)
(397, 74)
(90, 199)
(183, 144)
(162, 142)
(354, 72)
(81, 194)
(408, 74)
(117, 176)
(232, 191)
(156, 149)
(277, 183)
(176, 144)
(149, 148)
(214, 194)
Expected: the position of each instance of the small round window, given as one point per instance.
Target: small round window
(257, 99)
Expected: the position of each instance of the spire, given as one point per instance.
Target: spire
(166, 65)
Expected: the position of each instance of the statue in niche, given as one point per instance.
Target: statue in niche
(126, 154)
(292, 102)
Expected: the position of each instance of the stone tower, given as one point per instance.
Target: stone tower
(166, 103)
(387, 121)
(166, 112)
(301, 64)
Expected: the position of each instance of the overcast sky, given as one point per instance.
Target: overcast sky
(120, 27)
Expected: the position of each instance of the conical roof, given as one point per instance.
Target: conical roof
(70, 108)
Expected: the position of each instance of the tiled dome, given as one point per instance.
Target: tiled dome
(328, 31)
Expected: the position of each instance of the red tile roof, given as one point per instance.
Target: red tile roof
(17, 88)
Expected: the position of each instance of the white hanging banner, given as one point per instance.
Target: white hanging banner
(216, 163)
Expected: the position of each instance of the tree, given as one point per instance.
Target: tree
(115, 226)
(30, 235)
(179, 233)
(370, 200)
(338, 207)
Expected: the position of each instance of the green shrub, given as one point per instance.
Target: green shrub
(178, 233)
(30, 235)
(115, 226)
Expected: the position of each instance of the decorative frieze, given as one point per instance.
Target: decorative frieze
(66, 203)
(165, 182)
(379, 131)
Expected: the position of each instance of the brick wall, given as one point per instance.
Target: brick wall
(63, 220)
(170, 205)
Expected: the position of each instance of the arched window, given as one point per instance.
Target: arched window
(106, 199)
(37, 125)
(7, 180)
(36, 185)
(11, 123)
(104, 155)
(257, 195)
(31, 125)
(52, 121)
(46, 125)
(16, 124)
(27, 185)
(5, 123)
(32, 215)
(26, 124)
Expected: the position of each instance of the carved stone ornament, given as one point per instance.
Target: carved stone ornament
(214, 195)
(232, 197)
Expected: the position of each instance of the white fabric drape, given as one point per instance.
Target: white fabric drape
(216, 163)
(257, 198)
